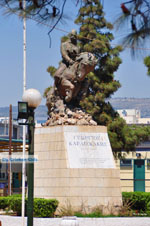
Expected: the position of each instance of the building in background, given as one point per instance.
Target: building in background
(17, 131)
(133, 116)
(135, 166)
(16, 147)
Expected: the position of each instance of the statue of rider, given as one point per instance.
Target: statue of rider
(69, 51)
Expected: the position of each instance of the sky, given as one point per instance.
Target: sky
(131, 73)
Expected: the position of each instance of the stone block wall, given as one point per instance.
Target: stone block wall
(88, 187)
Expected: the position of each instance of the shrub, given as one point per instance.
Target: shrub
(15, 205)
(42, 207)
(45, 207)
(139, 200)
(126, 208)
(4, 202)
(148, 208)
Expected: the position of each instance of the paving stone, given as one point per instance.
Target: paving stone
(116, 221)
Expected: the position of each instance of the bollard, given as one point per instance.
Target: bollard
(69, 221)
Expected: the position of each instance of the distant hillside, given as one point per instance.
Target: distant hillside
(40, 112)
(142, 104)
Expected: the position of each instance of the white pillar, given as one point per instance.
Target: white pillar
(24, 127)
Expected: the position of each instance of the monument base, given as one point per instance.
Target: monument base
(76, 167)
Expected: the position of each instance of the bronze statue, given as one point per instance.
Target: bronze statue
(69, 78)
(73, 68)
(69, 51)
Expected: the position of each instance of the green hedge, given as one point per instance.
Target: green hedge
(45, 207)
(140, 200)
(4, 202)
(16, 205)
(42, 207)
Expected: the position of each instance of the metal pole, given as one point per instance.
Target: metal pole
(24, 127)
(24, 47)
(10, 143)
(30, 168)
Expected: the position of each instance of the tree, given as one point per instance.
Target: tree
(44, 9)
(147, 64)
(41, 10)
(136, 15)
(95, 37)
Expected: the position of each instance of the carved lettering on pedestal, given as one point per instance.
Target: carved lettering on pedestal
(89, 150)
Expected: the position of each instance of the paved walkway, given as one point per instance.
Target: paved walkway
(116, 221)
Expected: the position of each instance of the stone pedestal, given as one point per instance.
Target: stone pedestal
(76, 166)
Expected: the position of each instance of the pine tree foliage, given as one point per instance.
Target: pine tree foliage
(49, 11)
(95, 37)
(147, 64)
(124, 137)
(135, 20)
(51, 70)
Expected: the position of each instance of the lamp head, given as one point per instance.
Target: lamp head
(22, 110)
(32, 97)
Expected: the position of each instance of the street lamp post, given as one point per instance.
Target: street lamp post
(31, 99)
(30, 167)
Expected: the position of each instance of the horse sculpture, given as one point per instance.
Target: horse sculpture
(71, 81)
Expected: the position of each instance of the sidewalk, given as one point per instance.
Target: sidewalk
(116, 221)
